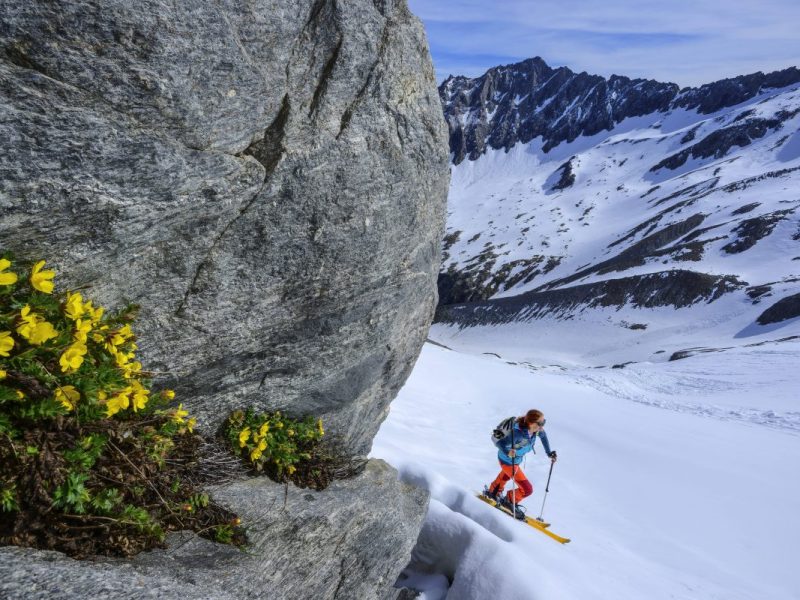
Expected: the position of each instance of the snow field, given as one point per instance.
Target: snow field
(659, 503)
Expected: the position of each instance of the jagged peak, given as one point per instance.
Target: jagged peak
(517, 102)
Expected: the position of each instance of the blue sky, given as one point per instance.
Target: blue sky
(689, 42)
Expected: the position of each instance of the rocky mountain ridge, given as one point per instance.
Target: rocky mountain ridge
(571, 192)
(517, 103)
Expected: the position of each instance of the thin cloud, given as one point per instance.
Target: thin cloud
(687, 41)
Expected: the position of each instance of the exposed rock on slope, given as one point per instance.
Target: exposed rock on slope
(670, 288)
(267, 181)
(783, 309)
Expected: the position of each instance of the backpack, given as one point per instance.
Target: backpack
(503, 430)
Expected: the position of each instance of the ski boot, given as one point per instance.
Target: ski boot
(518, 512)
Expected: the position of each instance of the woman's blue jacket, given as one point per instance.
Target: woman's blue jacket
(523, 443)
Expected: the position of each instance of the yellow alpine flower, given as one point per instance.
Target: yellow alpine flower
(255, 455)
(168, 394)
(119, 337)
(28, 321)
(6, 278)
(190, 424)
(118, 402)
(73, 307)
(179, 414)
(6, 343)
(68, 396)
(140, 395)
(3, 374)
(119, 357)
(42, 280)
(262, 431)
(262, 445)
(95, 314)
(290, 432)
(319, 427)
(244, 435)
(41, 333)
(72, 359)
(34, 328)
(82, 329)
(131, 369)
(291, 469)
(20, 395)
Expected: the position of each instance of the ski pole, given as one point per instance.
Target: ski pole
(513, 477)
(546, 489)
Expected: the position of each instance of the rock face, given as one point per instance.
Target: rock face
(267, 180)
(784, 309)
(516, 103)
(334, 544)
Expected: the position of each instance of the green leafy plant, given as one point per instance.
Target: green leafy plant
(72, 495)
(87, 452)
(224, 534)
(272, 440)
(8, 498)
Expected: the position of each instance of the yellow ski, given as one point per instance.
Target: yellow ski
(529, 520)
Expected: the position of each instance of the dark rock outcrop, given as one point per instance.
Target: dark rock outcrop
(267, 181)
(719, 142)
(334, 544)
(749, 231)
(636, 254)
(479, 281)
(517, 103)
(783, 309)
(669, 288)
(566, 176)
(711, 97)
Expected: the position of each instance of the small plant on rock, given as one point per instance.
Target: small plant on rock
(273, 440)
(288, 449)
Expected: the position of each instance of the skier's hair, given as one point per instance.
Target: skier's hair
(530, 417)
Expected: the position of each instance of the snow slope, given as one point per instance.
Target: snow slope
(661, 501)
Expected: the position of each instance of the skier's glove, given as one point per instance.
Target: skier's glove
(553, 456)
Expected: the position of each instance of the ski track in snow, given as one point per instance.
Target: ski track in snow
(789, 421)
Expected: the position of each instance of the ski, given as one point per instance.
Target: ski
(484, 497)
(540, 526)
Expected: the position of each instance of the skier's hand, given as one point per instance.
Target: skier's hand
(553, 456)
(512, 453)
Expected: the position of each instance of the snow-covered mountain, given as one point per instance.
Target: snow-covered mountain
(572, 191)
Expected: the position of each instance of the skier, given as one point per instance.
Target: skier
(514, 438)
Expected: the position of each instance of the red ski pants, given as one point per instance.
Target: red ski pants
(524, 487)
